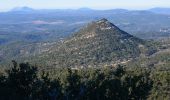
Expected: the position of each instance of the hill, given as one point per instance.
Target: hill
(160, 10)
(22, 9)
(99, 43)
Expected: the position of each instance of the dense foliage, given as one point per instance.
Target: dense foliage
(26, 82)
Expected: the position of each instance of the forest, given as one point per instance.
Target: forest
(27, 82)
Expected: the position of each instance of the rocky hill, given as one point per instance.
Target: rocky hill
(100, 43)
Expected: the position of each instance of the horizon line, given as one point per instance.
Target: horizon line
(146, 8)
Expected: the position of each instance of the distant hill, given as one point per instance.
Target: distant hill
(157, 10)
(22, 9)
(97, 44)
(161, 10)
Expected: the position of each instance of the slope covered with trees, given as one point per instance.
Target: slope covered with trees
(99, 43)
(27, 82)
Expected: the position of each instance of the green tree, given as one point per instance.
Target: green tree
(21, 80)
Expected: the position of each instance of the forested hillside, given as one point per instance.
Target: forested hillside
(27, 82)
(100, 43)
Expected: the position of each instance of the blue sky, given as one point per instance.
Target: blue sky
(74, 4)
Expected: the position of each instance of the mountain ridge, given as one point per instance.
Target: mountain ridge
(157, 10)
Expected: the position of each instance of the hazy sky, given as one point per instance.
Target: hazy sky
(95, 4)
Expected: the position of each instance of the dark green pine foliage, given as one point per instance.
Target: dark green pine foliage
(21, 80)
(24, 82)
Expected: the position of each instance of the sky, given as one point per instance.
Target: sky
(6, 5)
